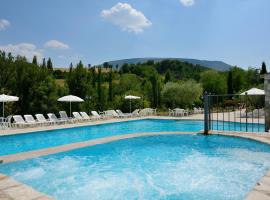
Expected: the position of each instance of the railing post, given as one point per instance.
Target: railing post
(267, 101)
(206, 113)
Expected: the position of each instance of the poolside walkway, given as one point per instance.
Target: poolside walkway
(13, 190)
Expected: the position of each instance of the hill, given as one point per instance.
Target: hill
(217, 65)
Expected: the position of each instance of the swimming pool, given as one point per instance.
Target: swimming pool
(157, 167)
(39, 140)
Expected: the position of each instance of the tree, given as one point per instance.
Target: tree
(110, 96)
(99, 92)
(34, 60)
(213, 82)
(168, 76)
(49, 65)
(43, 65)
(93, 71)
(263, 69)
(77, 80)
(229, 83)
(182, 94)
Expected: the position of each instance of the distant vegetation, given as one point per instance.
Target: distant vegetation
(216, 65)
(169, 83)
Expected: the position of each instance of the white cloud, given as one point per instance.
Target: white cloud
(23, 49)
(4, 24)
(56, 44)
(128, 18)
(187, 2)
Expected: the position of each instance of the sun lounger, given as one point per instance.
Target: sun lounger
(64, 116)
(135, 113)
(147, 112)
(52, 117)
(111, 114)
(19, 121)
(121, 114)
(30, 119)
(85, 116)
(77, 116)
(95, 115)
(40, 118)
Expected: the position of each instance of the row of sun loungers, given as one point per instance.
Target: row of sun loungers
(52, 119)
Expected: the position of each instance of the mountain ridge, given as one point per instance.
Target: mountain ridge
(217, 65)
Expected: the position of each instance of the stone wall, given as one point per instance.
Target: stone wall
(267, 101)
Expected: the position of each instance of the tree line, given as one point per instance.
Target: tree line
(165, 84)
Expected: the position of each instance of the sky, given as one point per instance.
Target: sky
(95, 31)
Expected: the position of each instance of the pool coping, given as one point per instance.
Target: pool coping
(14, 190)
(77, 145)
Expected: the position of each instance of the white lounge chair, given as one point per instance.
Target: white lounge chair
(77, 116)
(30, 119)
(85, 116)
(111, 114)
(95, 115)
(40, 118)
(64, 116)
(136, 113)
(19, 121)
(147, 112)
(52, 117)
(121, 114)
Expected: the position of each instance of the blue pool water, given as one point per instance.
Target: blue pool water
(167, 167)
(45, 139)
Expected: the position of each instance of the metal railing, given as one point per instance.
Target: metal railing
(234, 113)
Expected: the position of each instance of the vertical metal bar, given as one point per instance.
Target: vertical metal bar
(206, 114)
(217, 111)
(240, 115)
(246, 113)
(234, 124)
(223, 107)
(252, 120)
(209, 109)
(258, 119)
(229, 117)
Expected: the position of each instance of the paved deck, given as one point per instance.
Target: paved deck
(11, 189)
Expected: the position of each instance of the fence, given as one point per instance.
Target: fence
(234, 113)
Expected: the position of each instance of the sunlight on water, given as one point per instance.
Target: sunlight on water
(160, 167)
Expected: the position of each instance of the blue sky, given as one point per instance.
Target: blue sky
(95, 31)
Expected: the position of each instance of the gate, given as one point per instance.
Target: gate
(234, 113)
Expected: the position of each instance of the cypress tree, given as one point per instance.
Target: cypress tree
(35, 60)
(43, 66)
(49, 64)
(99, 94)
(110, 85)
(168, 76)
(263, 69)
(230, 83)
(93, 71)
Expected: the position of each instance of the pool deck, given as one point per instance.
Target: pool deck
(13, 190)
